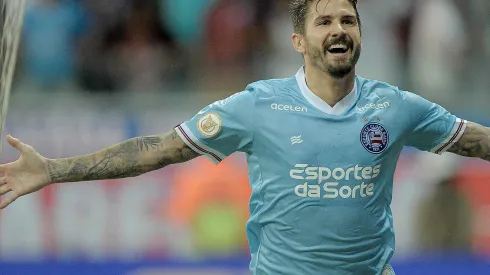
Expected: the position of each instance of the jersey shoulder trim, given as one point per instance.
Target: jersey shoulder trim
(195, 144)
(453, 137)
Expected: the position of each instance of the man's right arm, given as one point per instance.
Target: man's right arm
(130, 158)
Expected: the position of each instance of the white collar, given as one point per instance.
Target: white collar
(319, 103)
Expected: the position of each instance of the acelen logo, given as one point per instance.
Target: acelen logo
(324, 182)
(373, 106)
(284, 107)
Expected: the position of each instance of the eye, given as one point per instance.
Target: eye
(348, 22)
(324, 22)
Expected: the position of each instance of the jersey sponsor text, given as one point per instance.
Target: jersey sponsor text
(330, 179)
(284, 107)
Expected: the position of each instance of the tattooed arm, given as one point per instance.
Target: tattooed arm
(130, 158)
(475, 142)
(127, 159)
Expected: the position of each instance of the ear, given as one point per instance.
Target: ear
(299, 43)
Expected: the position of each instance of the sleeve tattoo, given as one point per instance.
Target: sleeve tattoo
(475, 142)
(127, 159)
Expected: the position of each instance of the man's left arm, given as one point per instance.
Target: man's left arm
(475, 142)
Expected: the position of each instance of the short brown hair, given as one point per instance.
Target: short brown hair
(299, 8)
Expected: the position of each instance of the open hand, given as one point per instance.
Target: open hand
(23, 176)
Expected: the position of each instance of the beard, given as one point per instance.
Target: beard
(335, 68)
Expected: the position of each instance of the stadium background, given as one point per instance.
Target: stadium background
(95, 72)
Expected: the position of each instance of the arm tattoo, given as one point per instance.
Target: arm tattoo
(475, 142)
(127, 159)
(147, 143)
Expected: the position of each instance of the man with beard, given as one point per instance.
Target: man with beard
(321, 147)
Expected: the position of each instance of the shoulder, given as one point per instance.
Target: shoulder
(256, 91)
(272, 87)
(408, 103)
(370, 87)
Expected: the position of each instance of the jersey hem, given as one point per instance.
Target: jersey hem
(453, 137)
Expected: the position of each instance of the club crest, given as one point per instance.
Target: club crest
(374, 138)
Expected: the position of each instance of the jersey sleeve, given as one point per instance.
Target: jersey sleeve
(433, 128)
(221, 128)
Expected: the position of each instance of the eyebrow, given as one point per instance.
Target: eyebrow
(349, 16)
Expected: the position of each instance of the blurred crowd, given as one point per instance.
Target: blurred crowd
(437, 48)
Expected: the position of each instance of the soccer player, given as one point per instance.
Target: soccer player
(322, 148)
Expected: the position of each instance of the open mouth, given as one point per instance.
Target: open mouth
(338, 49)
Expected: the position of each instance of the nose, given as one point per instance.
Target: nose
(338, 30)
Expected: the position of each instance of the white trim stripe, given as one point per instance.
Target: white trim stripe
(195, 144)
(453, 137)
(191, 145)
(200, 143)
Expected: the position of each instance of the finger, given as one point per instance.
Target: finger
(4, 168)
(4, 189)
(8, 201)
(16, 143)
(3, 180)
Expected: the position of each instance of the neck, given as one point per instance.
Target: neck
(326, 87)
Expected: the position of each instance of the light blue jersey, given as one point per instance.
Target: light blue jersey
(321, 177)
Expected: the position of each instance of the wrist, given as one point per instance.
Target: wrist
(52, 171)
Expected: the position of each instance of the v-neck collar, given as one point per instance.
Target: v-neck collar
(338, 109)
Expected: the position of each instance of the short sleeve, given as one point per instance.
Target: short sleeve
(221, 128)
(433, 128)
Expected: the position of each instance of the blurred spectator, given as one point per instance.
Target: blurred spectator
(281, 60)
(213, 205)
(51, 31)
(95, 48)
(403, 33)
(445, 220)
(228, 29)
(232, 36)
(439, 38)
(137, 54)
(146, 58)
(185, 18)
(380, 58)
(475, 15)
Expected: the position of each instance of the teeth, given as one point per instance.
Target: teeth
(338, 46)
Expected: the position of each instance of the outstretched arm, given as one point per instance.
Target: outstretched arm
(130, 158)
(127, 159)
(475, 142)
